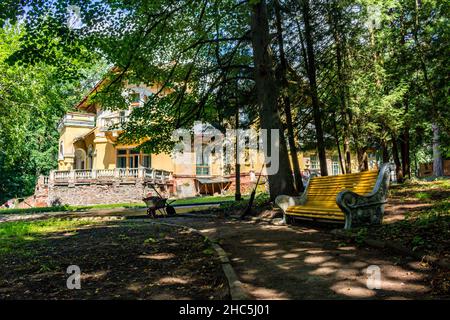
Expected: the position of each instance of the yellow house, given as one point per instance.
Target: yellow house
(92, 162)
(88, 149)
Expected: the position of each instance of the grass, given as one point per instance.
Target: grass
(206, 199)
(422, 195)
(424, 230)
(14, 234)
(186, 201)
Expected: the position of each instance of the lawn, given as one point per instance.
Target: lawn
(184, 202)
(118, 258)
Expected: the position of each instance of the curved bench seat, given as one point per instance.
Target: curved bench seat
(357, 198)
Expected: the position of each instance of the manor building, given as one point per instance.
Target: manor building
(94, 168)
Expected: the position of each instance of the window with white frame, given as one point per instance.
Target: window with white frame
(132, 158)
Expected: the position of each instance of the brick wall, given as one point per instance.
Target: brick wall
(91, 194)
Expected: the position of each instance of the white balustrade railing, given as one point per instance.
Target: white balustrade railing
(112, 122)
(105, 173)
(128, 173)
(61, 175)
(83, 174)
(118, 173)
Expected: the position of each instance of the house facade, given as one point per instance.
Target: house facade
(93, 168)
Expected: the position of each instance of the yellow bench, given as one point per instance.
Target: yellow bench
(356, 199)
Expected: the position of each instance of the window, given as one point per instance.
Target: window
(80, 159)
(90, 157)
(314, 163)
(146, 161)
(61, 151)
(132, 158)
(202, 163)
(335, 167)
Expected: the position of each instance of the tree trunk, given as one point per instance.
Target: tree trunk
(384, 151)
(363, 160)
(348, 156)
(438, 168)
(404, 151)
(287, 102)
(398, 165)
(311, 70)
(338, 145)
(335, 17)
(280, 182)
(237, 191)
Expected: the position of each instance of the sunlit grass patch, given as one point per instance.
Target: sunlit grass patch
(14, 234)
(422, 195)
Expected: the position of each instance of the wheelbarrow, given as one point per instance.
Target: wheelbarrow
(158, 204)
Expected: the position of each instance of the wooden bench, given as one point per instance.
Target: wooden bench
(357, 199)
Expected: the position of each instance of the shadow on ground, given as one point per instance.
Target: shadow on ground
(306, 262)
(118, 260)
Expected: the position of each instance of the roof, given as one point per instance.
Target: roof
(96, 88)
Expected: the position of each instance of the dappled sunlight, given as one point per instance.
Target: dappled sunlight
(348, 289)
(279, 262)
(157, 256)
(173, 280)
(316, 259)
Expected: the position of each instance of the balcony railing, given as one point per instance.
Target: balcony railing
(77, 119)
(112, 123)
(118, 174)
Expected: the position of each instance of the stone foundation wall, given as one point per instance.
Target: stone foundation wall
(91, 194)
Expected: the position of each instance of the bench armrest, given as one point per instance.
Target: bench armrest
(362, 210)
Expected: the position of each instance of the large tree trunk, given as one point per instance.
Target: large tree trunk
(404, 151)
(384, 151)
(280, 182)
(287, 102)
(363, 160)
(348, 156)
(438, 168)
(339, 45)
(398, 165)
(311, 70)
(237, 192)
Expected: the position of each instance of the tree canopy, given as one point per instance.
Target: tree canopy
(344, 75)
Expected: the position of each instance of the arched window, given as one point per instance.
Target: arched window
(90, 163)
(61, 151)
(80, 159)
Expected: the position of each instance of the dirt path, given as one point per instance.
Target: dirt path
(301, 262)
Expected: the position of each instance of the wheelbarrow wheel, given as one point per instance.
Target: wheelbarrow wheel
(151, 212)
(170, 210)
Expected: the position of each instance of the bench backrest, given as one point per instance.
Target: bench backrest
(322, 191)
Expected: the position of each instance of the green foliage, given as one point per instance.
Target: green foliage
(33, 98)
(422, 195)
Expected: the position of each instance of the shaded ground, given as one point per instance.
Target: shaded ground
(306, 262)
(273, 262)
(119, 259)
(418, 218)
